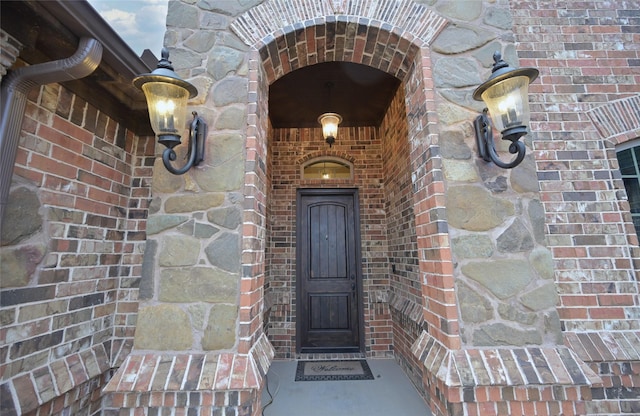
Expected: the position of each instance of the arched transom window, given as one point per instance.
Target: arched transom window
(327, 168)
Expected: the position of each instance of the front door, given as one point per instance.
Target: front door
(328, 271)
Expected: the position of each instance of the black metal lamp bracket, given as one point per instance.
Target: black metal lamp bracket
(486, 144)
(195, 153)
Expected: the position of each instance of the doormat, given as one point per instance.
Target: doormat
(333, 370)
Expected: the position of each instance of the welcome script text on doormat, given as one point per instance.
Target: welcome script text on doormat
(333, 370)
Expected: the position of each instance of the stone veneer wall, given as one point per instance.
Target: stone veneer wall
(504, 289)
(586, 54)
(312, 34)
(504, 276)
(200, 317)
(72, 243)
(199, 256)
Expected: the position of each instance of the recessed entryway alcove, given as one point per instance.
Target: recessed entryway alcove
(392, 155)
(379, 156)
(389, 151)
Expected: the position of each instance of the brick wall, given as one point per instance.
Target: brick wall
(189, 383)
(256, 187)
(587, 55)
(405, 286)
(72, 317)
(583, 106)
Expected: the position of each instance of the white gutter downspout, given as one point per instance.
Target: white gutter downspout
(13, 102)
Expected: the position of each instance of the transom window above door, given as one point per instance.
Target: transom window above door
(327, 168)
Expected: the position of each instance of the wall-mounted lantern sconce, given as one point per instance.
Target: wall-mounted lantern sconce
(330, 123)
(167, 95)
(505, 94)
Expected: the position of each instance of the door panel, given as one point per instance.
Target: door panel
(328, 235)
(328, 312)
(328, 271)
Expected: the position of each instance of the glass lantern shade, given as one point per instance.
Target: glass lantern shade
(330, 122)
(167, 107)
(508, 102)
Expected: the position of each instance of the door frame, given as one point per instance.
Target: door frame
(303, 192)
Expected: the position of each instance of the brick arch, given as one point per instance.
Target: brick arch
(326, 153)
(291, 34)
(617, 121)
(334, 40)
(261, 22)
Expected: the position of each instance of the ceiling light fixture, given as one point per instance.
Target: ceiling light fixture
(329, 121)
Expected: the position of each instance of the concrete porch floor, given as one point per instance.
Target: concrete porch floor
(390, 393)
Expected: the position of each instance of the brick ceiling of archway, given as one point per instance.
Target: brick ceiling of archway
(359, 93)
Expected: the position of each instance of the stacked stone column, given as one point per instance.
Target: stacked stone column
(194, 348)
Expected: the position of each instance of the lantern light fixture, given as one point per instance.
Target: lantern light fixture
(330, 122)
(505, 94)
(167, 95)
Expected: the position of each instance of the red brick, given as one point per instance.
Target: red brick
(615, 300)
(108, 198)
(55, 182)
(57, 199)
(573, 313)
(77, 369)
(72, 130)
(53, 166)
(27, 394)
(70, 143)
(606, 313)
(70, 157)
(95, 207)
(579, 300)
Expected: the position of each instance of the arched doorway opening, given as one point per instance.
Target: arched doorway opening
(393, 166)
(330, 317)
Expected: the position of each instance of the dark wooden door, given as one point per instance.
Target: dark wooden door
(328, 271)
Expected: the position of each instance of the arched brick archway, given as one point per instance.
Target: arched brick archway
(293, 34)
(296, 35)
(338, 40)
